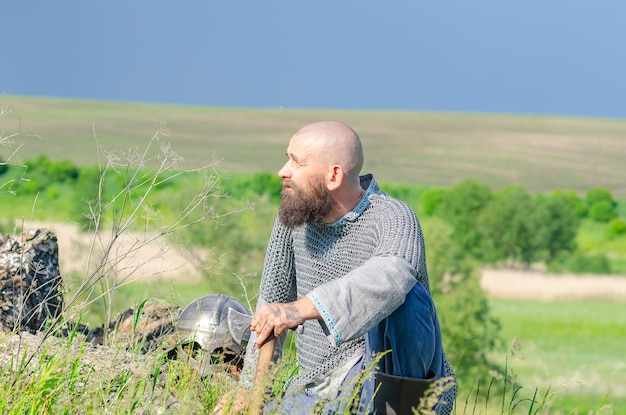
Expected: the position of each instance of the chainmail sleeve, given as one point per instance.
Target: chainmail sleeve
(277, 286)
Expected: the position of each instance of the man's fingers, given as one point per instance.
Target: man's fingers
(274, 320)
(268, 333)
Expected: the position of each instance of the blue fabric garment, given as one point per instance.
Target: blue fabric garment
(408, 351)
(413, 335)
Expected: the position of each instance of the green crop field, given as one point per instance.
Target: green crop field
(427, 149)
(575, 348)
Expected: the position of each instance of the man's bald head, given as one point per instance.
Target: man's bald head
(334, 143)
(321, 176)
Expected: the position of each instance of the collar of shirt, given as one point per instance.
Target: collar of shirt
(362, 205)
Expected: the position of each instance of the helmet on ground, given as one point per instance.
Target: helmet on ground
(203, 335)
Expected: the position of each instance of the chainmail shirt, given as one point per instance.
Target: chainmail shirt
(357, 271)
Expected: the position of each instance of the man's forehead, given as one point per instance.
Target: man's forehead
(301, 149)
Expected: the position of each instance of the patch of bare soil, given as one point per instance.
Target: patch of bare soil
(536, 285)
(135, 256)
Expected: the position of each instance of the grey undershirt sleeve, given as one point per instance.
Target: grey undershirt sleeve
(352, 305)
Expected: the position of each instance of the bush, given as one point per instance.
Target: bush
(87, 191)
(62, 171)
(4, 167)
(617, 227)
(431, 199)
(602, 211)
(411, 195)
(53, 192)
(601, 205)
(570, 196)
(469, 331)
(580, 263)
(598, 195)
(40, 165)
(30, 187)
(257, 184)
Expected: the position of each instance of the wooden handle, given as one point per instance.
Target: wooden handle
(266, 353)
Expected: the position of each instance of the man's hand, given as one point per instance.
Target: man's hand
(276, 318)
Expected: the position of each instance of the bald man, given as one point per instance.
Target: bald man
(346, 262)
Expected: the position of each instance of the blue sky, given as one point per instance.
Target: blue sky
(553, 57)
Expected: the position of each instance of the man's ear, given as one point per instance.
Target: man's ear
(335, 178)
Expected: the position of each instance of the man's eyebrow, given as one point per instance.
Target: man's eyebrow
(295, 158)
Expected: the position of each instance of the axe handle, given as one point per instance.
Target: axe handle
(266, 353)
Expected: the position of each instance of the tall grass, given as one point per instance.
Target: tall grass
(51, 375)
(70, 376)
(66, 376)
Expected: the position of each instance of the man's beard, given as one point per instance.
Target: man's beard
(299, 206)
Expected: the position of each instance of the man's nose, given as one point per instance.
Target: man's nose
(284, 172)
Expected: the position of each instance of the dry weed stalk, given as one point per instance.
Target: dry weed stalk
(7, 140)
(111, 261)
(110, 266)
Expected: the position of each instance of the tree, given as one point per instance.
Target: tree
(511, 227)
(257, 184)
(88, 189)
(431, 200)
(602, 207)
(63, 171)
(580, 205)
(461, 206)
(469, 331)
(560, 222)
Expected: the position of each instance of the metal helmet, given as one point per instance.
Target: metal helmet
(202, 330)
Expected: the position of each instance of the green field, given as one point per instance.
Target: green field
(575, 348)
(425, 149)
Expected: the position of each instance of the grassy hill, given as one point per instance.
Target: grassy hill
(427, 149)
(422, 149)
